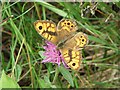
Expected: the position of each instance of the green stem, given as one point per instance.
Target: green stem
(56, 75)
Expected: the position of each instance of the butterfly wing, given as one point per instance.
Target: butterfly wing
(64, 31)
(65, 28)
(77, 42)
(71, 50)
(72, 58)
(47, 29)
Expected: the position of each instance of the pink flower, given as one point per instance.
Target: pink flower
(53, 55)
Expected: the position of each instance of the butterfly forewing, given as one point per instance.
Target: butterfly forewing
(47, 29)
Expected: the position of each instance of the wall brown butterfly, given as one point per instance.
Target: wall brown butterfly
(64, 35)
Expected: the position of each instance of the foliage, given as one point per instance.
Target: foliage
(21, 44)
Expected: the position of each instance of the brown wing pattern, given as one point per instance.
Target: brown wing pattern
(46, 29)
(65, 28)
(77, 42)
(72, 58)
(64, 35)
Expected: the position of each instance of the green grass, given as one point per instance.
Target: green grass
(22, 45)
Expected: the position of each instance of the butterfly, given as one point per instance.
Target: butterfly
(65, 37)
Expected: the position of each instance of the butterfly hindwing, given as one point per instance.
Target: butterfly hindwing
(72, 58)
(65, 28)
(77, 42)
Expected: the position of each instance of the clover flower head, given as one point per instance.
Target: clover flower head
(53, 55)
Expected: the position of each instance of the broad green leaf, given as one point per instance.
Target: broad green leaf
(47, 80)
(67, 75)
(18, 71)
(7, 82)
(43, 84)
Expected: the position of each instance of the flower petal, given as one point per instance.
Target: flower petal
(52, 54)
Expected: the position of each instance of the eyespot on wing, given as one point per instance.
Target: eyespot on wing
(67, 24)
(47, 29)
(72, 58)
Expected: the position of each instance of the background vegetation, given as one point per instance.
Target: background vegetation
(22, 45)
